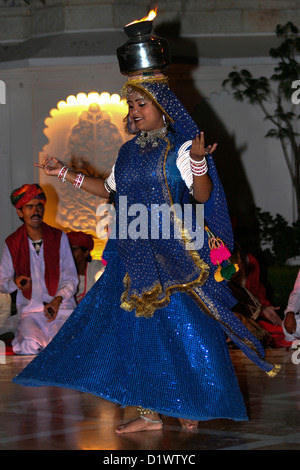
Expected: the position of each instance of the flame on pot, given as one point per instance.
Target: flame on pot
(151, 15)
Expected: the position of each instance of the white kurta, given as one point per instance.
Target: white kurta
(5, 308)
(294, 306)
(34, 331)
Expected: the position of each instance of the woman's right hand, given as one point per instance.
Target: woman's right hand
(50, 165)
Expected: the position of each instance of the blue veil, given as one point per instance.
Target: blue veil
(213, 298)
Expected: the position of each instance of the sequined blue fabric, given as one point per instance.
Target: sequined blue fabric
(176, 361)
(153, 261)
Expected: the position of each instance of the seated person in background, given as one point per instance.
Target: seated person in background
(5, 309)
(8, 321)
(262, 318)
(88, 270)
(37, 262)
(291, 323)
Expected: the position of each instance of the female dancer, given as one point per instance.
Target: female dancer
(151, 333)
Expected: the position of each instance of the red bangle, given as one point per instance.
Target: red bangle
(198, 168)
(78, 180)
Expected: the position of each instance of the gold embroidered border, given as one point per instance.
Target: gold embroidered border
(273, 372)
(146, 305)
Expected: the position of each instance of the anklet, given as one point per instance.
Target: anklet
(153, 421)
(144, 411)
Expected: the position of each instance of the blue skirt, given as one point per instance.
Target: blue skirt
(176, 363)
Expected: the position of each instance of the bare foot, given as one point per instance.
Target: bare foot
(140, 424)
(188, 424)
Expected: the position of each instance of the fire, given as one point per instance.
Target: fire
(151, 15)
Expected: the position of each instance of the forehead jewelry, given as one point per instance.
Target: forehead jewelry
(139, 96)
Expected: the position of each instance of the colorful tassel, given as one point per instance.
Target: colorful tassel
(218, 254)
(228, 271)
(225, 272)
(218, 251)
(217, 275)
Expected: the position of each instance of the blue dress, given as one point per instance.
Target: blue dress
(175, 362)
(152, 330)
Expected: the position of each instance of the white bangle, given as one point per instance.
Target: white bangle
(197, 162)
(198, 168)
(63, 173)
(107, 187)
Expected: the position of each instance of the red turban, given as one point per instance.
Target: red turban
(19, 197)
(81, 239)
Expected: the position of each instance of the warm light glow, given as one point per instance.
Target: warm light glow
(78, 211)
(151, 15)
(111, 103)
(82, 99)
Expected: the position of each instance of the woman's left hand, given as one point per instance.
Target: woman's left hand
(198, 150)
(51, 165)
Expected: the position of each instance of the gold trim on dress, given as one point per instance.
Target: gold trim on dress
(146, 305)
(214, 314)
(272, 373)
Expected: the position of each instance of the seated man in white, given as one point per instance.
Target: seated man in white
(37, 262)
(291, 323)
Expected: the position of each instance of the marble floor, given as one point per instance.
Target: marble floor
(49, 418)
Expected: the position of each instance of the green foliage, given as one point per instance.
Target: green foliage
(287, 70)
(281, 280)
(245, 87)
(279, 241)
(274, 96)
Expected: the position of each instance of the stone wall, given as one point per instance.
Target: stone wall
(19, 21)
(57, 48)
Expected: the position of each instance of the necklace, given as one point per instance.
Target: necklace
(37, 244)
(151, 137)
